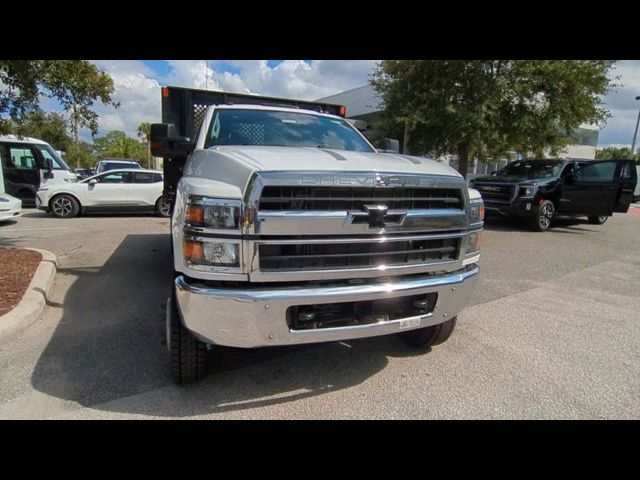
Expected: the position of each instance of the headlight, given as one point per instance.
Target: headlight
(476, 213)
(473, 243)
(4, 200)
(214, 253)
(213, 213)
(528, 191)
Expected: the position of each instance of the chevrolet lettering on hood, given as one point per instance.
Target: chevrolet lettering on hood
(369, 181)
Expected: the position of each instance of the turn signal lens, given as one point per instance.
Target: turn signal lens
(195, 215)
(193, 252)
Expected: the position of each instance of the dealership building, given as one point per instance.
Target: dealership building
(364, 104)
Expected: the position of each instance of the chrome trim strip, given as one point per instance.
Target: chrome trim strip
(300, 295)
(381, 239)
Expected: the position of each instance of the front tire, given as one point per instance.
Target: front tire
(188, 354)
(423, 338)
(64, 206)
(163, 208)
(543, 216)
(597, 219)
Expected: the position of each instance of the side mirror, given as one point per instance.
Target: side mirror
(48, 164)
(93, 182)
(391, 145)
(166, 143)
(570, 179)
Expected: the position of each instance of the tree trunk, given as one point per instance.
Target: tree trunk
(405, 139)
(463, 158)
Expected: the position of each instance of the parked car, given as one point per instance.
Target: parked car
(636, 192)
(107, 164)
(130, 190)
(539, 189)
(29, 164)
(10, 207)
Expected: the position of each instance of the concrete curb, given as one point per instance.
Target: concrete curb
(35, 298)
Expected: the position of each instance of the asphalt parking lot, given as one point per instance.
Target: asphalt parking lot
(553, 332)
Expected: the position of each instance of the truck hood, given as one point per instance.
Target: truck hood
(229, 168)
(267, 158)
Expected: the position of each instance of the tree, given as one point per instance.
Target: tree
(617, 153)
(50, 127)
(144, 132)
(80, 155)
(487, 107)
(76, 84)
(117, 144)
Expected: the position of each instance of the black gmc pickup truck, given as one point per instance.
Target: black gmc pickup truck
(537, 190)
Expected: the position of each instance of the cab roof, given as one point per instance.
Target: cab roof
(21, 139)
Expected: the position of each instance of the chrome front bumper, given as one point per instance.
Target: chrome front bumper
(256, 317)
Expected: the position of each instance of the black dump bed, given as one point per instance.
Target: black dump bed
(185, 107)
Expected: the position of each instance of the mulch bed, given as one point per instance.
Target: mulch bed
(17, 267)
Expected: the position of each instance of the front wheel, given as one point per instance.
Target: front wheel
(188, 354)
(163, 208)
(64, 206)
(543, 215)
(424, 338)
(597, 219)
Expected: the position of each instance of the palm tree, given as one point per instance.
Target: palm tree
(144, 132)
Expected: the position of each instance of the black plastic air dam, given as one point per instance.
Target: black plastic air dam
(344, 314)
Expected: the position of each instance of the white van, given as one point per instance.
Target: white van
(30, 164)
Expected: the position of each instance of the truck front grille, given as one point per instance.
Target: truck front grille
(496, 193)
(282, 198)
(328, 256)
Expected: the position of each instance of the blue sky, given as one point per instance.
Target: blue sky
(138, 83)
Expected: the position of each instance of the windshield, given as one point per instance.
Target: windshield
(286, 129)
(50, 154)
(106, 166)
(533, 168)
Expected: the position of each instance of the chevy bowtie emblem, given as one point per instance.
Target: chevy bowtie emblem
(381, 182)
(376, 215)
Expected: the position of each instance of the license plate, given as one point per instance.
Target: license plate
(409, 322)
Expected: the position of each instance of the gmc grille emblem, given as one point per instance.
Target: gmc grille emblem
(490, 189)
(376, 215)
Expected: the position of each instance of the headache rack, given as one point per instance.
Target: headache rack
(185, 107)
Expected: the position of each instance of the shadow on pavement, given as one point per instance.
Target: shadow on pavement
(109, 344)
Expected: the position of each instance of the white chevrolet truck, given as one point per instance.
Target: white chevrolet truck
(289, 227)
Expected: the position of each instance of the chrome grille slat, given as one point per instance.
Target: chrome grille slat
(328, 255)
(283, 198)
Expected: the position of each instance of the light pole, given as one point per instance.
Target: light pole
(635, 134)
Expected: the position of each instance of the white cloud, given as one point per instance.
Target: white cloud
(138, 92)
